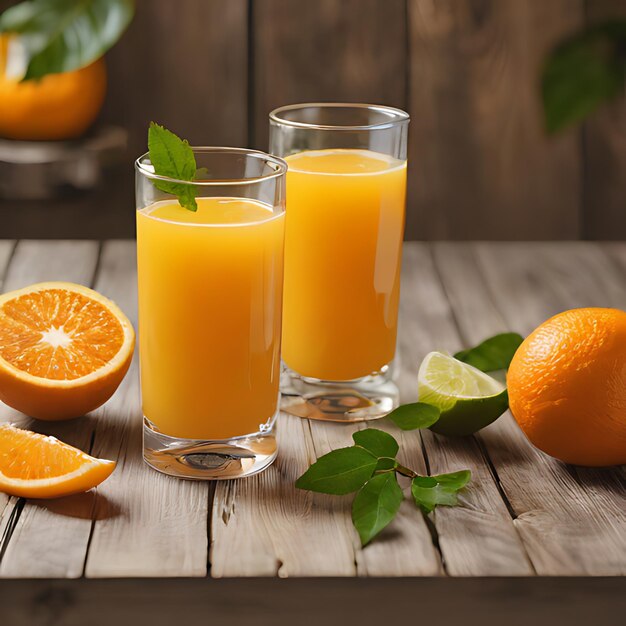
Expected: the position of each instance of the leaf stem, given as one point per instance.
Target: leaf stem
(405, 471)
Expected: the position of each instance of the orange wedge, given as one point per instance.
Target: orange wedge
(36, 466)
(64, 349)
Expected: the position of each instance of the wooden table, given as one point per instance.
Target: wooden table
(524, 517)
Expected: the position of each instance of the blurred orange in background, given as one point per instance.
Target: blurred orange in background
(57, 106)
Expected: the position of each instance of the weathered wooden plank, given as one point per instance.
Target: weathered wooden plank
(477, 538)
(6, 250)
(264, 526)
(570, 524)
(145, 523)
(604, 135)
(49, 539)
(617, 251)
(481, 166)
(328, 50)
(182, 64)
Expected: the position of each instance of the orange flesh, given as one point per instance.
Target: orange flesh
(27, 455)
(58, 334)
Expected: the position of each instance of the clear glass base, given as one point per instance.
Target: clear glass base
(204, 459)
(367, 398)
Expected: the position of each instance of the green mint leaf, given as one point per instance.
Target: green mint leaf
(414, 416)
(378, 442)
(173, 157)
(492, 354)
(65, 35)
(432, 491)
(583, 72)
(339, 472)
(375, 505)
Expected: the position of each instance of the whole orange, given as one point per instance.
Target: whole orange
(567, 386)
(57, 106)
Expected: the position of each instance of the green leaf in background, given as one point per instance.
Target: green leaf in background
(339, 472)
(492, 354)
(174, 158)
(378, 442)
(415, 415)
(582, 72)
(432, 491)
(375, 505)
(64, 35)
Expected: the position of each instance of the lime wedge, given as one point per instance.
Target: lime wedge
(467, 398)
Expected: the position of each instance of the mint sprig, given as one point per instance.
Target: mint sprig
(370, 468)
(173, 157)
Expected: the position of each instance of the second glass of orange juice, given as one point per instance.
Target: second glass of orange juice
(210, 300)
(346, 188)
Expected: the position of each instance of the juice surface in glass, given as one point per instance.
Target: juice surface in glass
(209, 316)
(343, 248)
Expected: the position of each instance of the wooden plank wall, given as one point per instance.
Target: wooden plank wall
(467, 71)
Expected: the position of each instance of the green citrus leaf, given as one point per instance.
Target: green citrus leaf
(339, 472)
(64, 35)
(492, 354)
(378, 442)
(432, 491)
(415, 415)
(375, 505)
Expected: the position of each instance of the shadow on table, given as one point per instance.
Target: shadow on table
(82, 506)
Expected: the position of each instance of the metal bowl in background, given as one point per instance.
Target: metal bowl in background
(43, 170)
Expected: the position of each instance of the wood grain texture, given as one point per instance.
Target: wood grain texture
(481, 166)
(63, 523)
(571, 521)
(617, 251)
(605, 152)
(184, 65)
(477, 538)
(263, 526)
(328, 50)
(145, 523)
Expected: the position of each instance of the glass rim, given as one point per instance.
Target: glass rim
(399, 116)
(257, 154)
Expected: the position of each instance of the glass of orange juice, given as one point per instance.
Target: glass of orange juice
(210, 301)
(346, 189)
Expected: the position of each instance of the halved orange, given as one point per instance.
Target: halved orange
(64, 349)
(37, 466)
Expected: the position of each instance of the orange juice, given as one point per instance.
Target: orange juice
(345, 223)
(209, 316)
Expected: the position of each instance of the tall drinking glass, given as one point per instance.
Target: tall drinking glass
(346, 188)
(210, 301)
